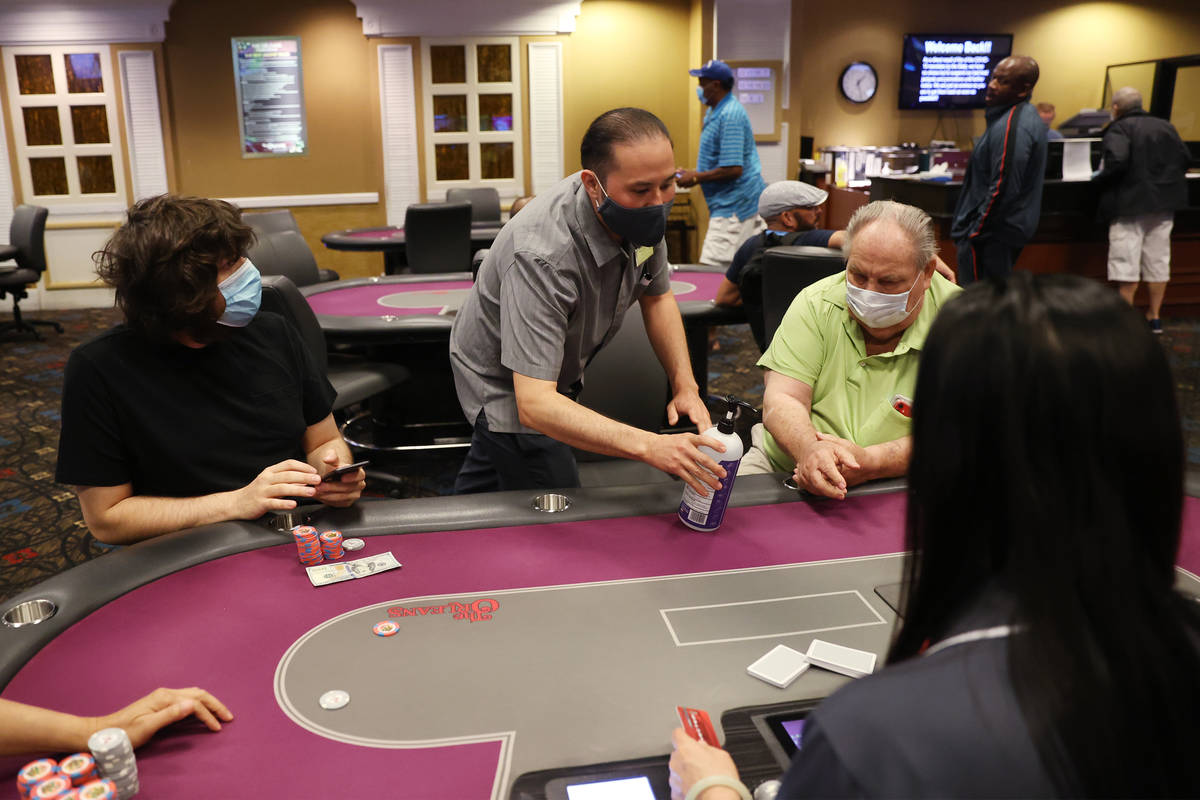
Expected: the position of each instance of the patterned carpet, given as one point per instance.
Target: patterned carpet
(41, 529)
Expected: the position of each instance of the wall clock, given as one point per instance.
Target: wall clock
(858, 82)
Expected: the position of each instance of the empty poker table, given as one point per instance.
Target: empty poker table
(411, 308)
(526, 641)
(399, 307)
(392, 241)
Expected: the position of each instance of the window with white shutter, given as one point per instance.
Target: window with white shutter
(473, 117)
(62, 105)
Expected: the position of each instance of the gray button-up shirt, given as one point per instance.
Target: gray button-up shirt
(553, 290)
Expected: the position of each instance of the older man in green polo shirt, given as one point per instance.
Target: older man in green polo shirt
(841, 369)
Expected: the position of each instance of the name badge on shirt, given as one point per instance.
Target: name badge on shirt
(640, 255)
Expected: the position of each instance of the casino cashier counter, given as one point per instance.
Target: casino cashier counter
(493, 650)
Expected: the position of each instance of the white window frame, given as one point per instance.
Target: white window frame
(74, 201)
(472, 88)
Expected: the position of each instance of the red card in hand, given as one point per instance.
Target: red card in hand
(698, 725)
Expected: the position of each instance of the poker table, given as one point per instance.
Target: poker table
(403, 307)
(420, 308)
(392, 242)
(527, 641)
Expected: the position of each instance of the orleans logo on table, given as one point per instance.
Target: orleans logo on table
(477, 611)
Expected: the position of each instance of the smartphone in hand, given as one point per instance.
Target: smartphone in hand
(338, 472)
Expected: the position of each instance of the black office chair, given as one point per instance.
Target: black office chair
(625, 382)
(438, 237)
(285, 253)
(484, 200)
(786, 271)
(354, 379)
(27, 246)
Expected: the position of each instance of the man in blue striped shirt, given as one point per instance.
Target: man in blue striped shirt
(727, 167)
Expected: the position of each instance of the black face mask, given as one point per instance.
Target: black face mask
(642, 227)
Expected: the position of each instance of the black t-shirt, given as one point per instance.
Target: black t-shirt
(176, 421)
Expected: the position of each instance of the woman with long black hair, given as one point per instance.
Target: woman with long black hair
(1044, 650)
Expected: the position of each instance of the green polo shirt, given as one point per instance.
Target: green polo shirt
(819, 343)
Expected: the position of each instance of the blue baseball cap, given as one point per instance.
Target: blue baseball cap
(716, 69)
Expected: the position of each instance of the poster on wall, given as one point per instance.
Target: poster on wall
(270, 96)
(757, 88)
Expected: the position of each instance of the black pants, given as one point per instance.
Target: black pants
(502, 461)
(979, 261)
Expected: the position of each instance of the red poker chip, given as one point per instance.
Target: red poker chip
(386, 628)
(53, 788)
(98, 790)
(36, 771)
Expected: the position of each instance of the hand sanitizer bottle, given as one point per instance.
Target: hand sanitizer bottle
(706, 513)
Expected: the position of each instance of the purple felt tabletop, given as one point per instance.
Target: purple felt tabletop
(365, 300)
(224, 625)
(706, 284)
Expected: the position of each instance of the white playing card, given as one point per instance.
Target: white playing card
(841, 659)
(779, 667)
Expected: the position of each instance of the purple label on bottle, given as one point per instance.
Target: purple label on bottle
(706, 513)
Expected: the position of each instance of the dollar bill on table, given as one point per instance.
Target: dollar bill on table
(336, 572)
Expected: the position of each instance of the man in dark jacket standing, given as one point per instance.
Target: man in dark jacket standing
(1001, 199)
(1143, 181)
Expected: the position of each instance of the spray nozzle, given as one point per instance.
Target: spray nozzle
(732, 406)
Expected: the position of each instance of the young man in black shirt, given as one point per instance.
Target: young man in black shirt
(197, 409)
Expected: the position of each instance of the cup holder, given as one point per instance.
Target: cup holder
(284, 521)
(551, 503)
(31, 612)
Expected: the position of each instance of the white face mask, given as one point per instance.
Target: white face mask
(876, 309)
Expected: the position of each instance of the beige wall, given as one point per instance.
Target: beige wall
(343, 144)
(627, 53)
(623, 52)
(341, 106)
(1073, 42)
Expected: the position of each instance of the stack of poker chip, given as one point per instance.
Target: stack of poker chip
(308, 544)
(331, 545)
(114, 758)
(34, 773)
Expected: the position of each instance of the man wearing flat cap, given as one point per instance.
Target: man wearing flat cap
(727, 168)
(792, 211)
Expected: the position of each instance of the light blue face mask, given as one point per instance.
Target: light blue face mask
(700, 94)
(243, 293)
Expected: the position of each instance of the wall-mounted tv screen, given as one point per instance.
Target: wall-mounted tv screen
(949, 70)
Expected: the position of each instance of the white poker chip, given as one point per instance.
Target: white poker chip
(353, 544)
(334, 699)
(110, 741)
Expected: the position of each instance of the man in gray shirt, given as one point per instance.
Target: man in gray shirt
(551, 292)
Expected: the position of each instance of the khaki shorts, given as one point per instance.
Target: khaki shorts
(1139, 248)
(725, 235)
(756, 461)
